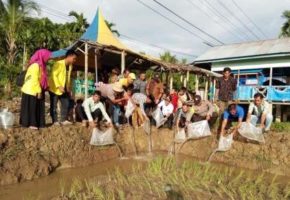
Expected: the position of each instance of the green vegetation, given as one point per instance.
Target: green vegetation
(21, 35)
(285, 29)
(281, 127)
(163, 178)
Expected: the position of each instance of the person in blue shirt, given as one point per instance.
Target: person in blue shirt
(233, 113)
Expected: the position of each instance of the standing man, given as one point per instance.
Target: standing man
(260, 112)
(140, 84)
(60, 87)
(233, 113)
(225, 88)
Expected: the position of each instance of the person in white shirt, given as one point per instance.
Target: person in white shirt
(167, 109)
(260, 112)
(92, 110)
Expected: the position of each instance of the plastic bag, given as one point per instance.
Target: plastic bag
(225, 143)
(6, 119)
(251, 132)
(198, 129)
(129, 109)
(101, 138)
(180, 136)
(158, 117)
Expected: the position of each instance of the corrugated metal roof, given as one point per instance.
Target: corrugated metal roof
(248, 49)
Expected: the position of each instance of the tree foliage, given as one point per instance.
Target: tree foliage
(285, 30)
(21, 35)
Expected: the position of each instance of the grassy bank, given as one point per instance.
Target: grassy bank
(163, 178)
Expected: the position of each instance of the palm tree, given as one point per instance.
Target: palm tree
(81, 23)
(285, 30)
(167, 57)
(111, 27)
(13, 17)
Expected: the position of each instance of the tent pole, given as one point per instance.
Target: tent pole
(271, 76)
(122, 62)
(86, 70)
(187, 79)
(214, 85)
(196, 83)
(171, 80)
(96, 65)
(206, 89)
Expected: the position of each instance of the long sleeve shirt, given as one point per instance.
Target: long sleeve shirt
(205, 108)
(90, 106)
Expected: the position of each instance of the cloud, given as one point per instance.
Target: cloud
(135, 20)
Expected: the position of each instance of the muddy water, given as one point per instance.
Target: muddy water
(51, 186)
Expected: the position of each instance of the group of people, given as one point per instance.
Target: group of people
(127, 98)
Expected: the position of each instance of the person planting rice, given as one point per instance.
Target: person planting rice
(92, 110)
(234, 113)
(259, 112)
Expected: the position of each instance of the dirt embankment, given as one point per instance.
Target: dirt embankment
(26, 154)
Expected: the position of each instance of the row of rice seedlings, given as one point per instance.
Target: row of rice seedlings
(190, 177)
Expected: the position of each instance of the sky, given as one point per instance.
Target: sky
(220, 21)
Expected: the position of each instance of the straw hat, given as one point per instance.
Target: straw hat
(117, 87)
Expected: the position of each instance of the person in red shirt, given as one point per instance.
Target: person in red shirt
(174, 97)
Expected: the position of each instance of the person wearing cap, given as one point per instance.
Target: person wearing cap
(125, 82)
(155, 89)
(114, 95)
(203, 110)
(184, 116)
(233, 113)
(167, 110)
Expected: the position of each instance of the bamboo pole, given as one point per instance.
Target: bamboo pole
(196, 83)
(96, 65)
(187, 79)
(206, 89)
(123, 62)
(86, 70)
(171, 80)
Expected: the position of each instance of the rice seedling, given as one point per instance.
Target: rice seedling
(191, 178)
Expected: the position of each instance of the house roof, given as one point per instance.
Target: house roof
(263, 48)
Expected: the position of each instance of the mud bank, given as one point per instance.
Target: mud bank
(26, 154)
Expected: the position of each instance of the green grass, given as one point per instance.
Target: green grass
(190, 180)
(281, 127)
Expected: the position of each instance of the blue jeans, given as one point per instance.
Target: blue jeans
(116, 114)
(256, 120)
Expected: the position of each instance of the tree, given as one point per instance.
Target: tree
(81, 24)
(12, 19)
(111, 27)
(285, 30)
(13, 15)
(167, 57)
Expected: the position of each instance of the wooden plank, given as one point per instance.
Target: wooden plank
(86, 70)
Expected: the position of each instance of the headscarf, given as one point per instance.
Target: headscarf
(41, 57)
